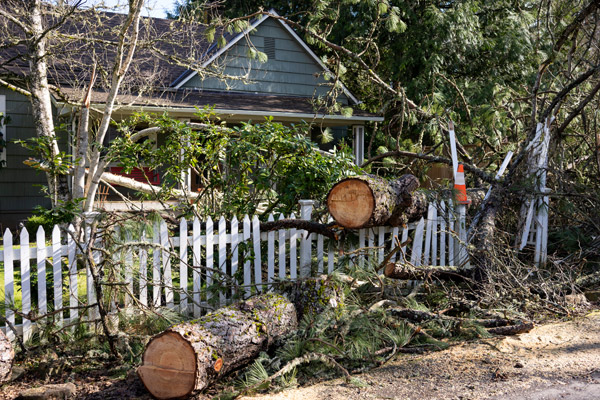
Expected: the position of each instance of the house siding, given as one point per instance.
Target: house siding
(292, 72)
(20, 185)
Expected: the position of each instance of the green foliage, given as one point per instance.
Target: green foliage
(60, 164)
(63, 213)
(237, 168)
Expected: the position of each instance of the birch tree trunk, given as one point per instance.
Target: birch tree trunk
(41, 104)
(128, 38)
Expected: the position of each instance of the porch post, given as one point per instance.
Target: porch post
(186, 176)
(359, 143)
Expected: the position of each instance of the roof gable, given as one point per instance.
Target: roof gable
(292, 69)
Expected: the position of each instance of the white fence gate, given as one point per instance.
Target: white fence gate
(204, 264)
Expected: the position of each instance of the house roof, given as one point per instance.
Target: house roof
(238, 106)
(159, 70)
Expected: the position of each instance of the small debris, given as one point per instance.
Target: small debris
(50, 392)
(518, 364)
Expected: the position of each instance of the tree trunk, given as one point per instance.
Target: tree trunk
(7, 354)
(367, 200)
(41, 104)
(189, 356)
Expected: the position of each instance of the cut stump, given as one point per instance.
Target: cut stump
(367, 200)
(189, 356)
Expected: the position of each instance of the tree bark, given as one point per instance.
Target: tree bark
(189, 356)
(41, 104)
(7, 354)
(367, 200)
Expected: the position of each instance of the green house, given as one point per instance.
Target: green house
(290, 86)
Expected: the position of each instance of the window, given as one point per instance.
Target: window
(359, 143)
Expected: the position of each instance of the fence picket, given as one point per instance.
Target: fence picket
(156, 301)
(293, 253)
(429, 228)
(434, 235)
(270, 252)
(393, 243)
(89, 286)
(404, 244)
(281, 240)
(196, 263)
(247, 272)
(380, 244)
(72, 265)
(183, 265)
(415, 257)
(222, 259)
(128, 269)
(442, 222)
(25, 282)
(9, 282)
(361, 245)
(320, 254)
(451, 234)
(166, 262)
(463, 256)
(143, 271)
(257, 255)
(57, 273)
(330, 252)
(41, 270)
(234, 246)
(209, 257)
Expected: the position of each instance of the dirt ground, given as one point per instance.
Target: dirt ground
(553, 361)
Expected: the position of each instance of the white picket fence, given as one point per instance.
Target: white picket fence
(214, 252)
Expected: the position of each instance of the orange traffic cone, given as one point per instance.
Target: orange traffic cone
(460, 186)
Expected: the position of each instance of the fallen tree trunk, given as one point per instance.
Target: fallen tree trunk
(7, 354)
(367, 200)
(189, 356)
(407, 271)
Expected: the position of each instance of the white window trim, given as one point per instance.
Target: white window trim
(359, 143)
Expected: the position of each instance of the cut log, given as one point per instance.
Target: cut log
(7, 354)
(368, 200)
(512, 330)
(409, 272)
(189, 356)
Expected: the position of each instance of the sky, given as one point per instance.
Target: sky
(155, 8)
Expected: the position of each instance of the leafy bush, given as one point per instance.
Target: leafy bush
(236, 168)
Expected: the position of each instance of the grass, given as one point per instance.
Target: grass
(81, 287)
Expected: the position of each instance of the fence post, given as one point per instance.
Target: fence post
(90, 217)
(461, 253)
(306, 208)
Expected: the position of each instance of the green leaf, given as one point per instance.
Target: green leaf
(383, 7)
(262, 57)
(209, 33)
(221, 42)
